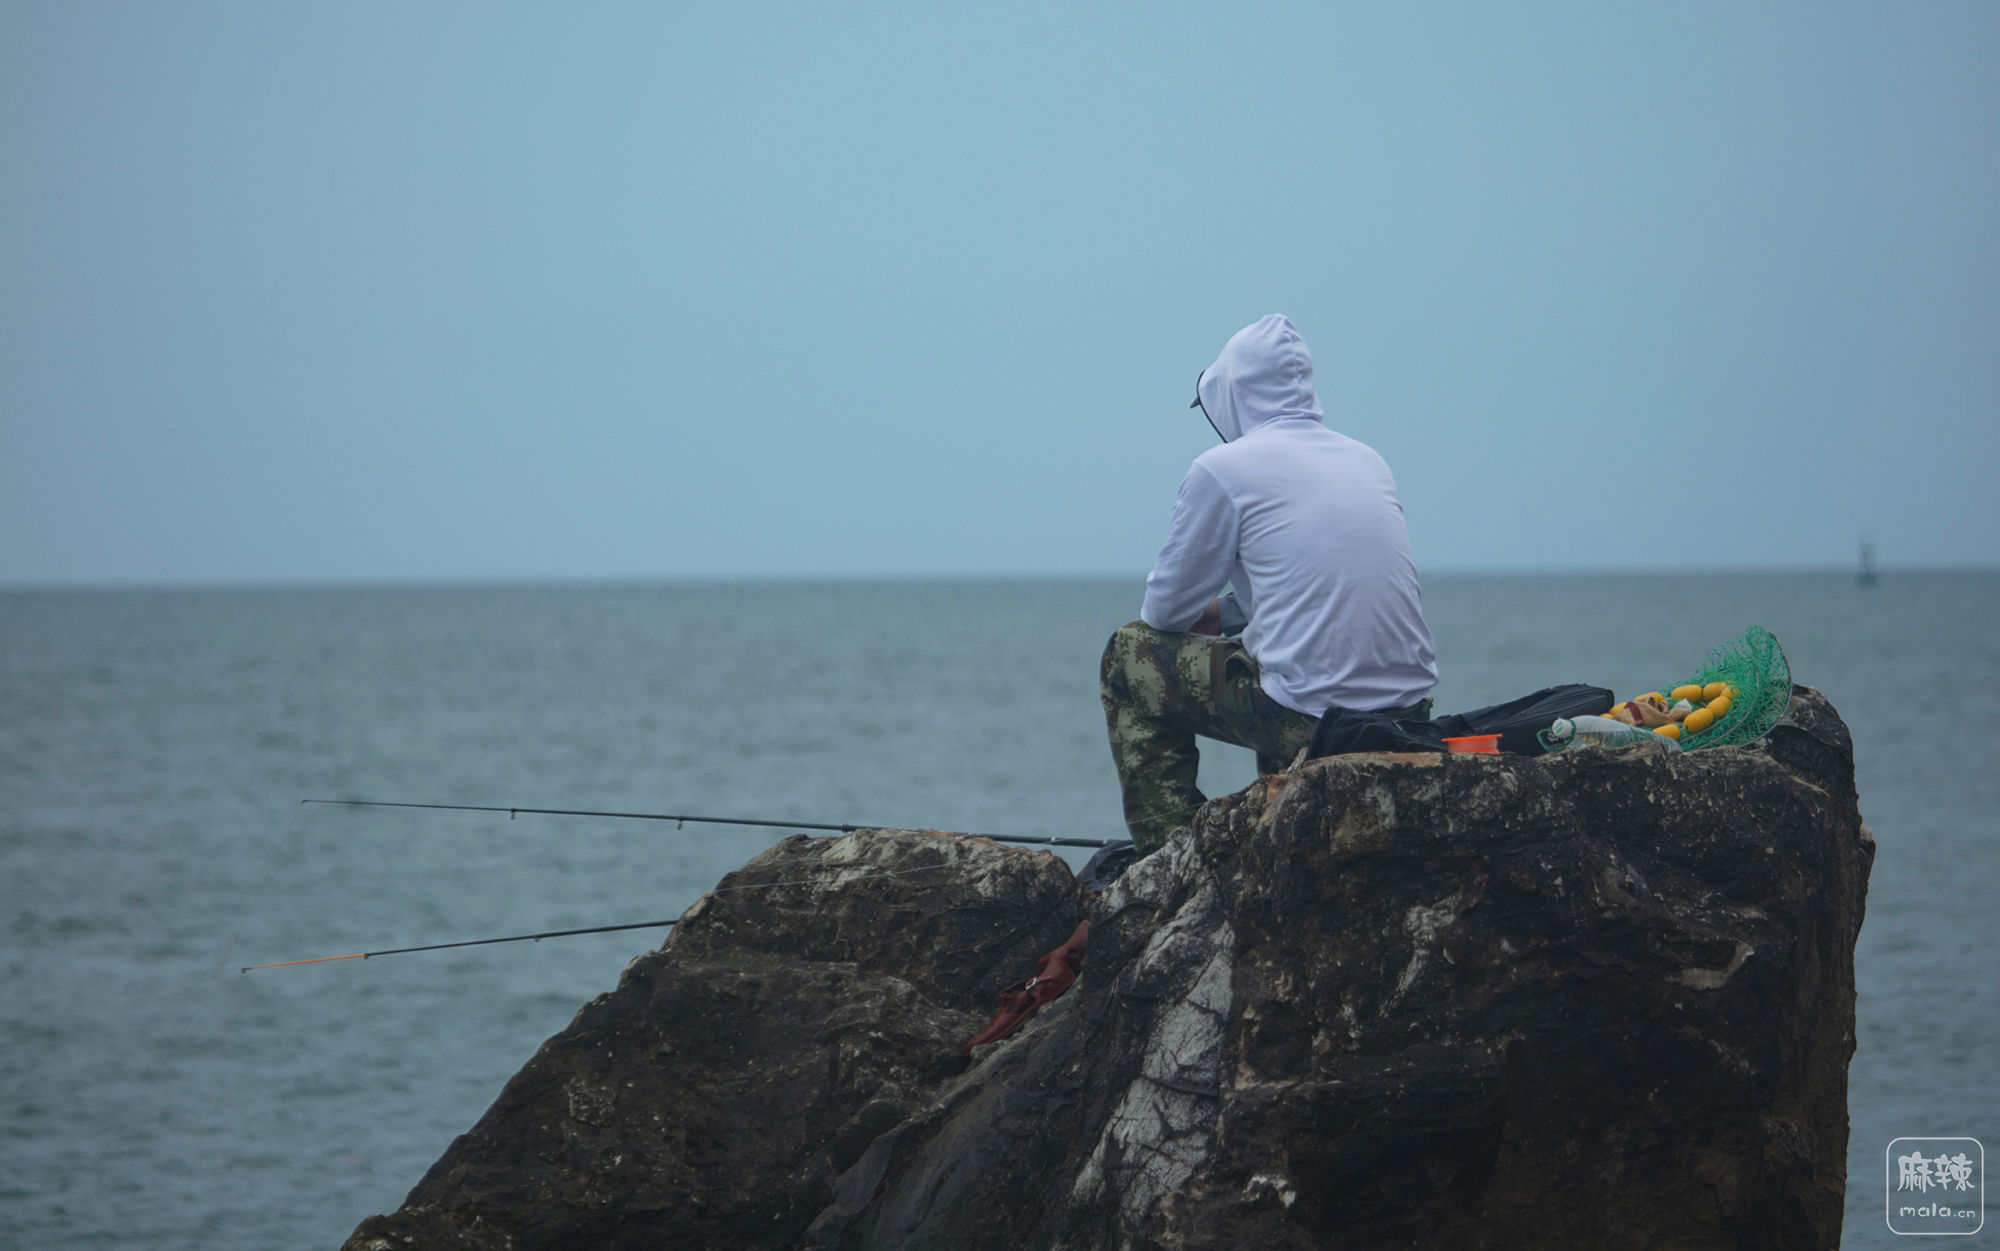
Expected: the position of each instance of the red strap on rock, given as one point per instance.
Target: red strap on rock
(1053, 975)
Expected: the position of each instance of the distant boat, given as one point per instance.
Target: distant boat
(1867, 575)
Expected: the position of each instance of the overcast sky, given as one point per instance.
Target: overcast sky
(388, 292)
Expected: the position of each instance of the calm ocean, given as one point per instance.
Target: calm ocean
(154, 746)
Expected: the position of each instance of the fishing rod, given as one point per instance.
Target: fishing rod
(1036, 840)
(475, 942)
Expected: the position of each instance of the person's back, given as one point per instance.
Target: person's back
(1306, 524)
(1335, 610)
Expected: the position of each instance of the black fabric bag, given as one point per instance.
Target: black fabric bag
(1344, 730)
(1519, 720)
(1105, 867)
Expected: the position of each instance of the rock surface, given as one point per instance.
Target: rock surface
(1591, 1000)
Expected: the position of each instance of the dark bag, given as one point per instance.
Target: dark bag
(1104, 868)
(1518, 721)
(1344, 730)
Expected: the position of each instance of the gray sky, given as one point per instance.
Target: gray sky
(443, 292)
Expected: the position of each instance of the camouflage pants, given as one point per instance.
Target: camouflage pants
(1160, 690)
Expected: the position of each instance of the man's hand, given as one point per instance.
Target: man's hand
(1210, 621)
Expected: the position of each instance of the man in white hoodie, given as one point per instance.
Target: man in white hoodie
(1304, 523)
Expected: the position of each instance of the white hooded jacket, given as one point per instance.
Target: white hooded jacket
(1306, 525)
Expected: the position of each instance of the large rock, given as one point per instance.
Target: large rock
(815, 999)
(1591, 1000)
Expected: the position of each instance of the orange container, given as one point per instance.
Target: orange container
(1474, 744)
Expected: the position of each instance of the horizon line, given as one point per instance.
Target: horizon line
(536, 582)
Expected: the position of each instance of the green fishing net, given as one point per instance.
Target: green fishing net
(1755, 666)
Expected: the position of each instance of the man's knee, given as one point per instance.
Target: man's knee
(1120, 652)
(1130, 635)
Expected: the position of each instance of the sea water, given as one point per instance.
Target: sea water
(155, 745)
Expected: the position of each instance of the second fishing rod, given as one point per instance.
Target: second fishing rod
(681, 818)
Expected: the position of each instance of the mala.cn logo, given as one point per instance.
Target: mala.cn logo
(1936, 1186)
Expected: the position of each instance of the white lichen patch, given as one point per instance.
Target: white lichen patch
(1696, 978)
(1383, 801)
(1186, 1044)
(1153, 879)
(1422, 925)
(1359, 829)
(1157, 1137)
(1182, 943)
(1278, 1188)
(870, 852)
(841, 861)
(696, 909)
(993, 882)
(1164, 1124)
(860, 845)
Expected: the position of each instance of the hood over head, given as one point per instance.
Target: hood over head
(1264, 375)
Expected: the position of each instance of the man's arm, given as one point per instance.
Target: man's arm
(1223, 616)
(1197, 557)
(1230, 616)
